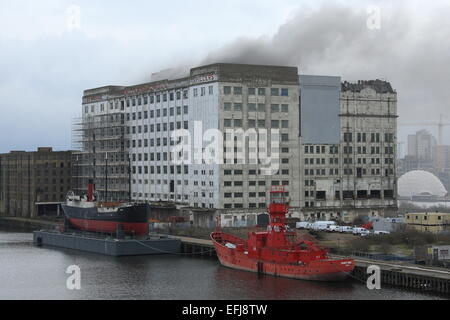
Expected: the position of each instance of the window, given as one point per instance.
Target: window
(347, 137)
(226, 90)
(275, 92)
(285, 92)
(237, 90)
(275, 108)
(261, 91)
(251, 91)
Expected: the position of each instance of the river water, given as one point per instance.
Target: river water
(28, 272)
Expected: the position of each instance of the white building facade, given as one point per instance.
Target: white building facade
(168, 127)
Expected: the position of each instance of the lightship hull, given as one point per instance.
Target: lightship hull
(316, 270)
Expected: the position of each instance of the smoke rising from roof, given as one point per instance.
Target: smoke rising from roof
(327, 38)
(411, 53)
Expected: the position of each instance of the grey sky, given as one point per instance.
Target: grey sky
(45, 65)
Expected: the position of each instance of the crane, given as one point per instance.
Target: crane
(440, 126)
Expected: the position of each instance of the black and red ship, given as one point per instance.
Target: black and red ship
(87, 214)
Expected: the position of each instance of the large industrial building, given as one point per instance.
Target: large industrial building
(331, 144)
(34, 183)
(149, 121)
(348, 148)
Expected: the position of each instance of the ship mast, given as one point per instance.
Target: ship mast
(106, 176)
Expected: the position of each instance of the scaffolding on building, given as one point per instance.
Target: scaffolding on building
(101, 155)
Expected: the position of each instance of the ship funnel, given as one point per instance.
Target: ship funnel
(90, 191)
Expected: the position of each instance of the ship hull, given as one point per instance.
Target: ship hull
(321, 270)
(132, 219)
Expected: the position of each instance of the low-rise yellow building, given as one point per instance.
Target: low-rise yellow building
(434, 222)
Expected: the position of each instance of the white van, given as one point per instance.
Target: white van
(333, 228)
(345, 229)
(322, 225)
(302, 225)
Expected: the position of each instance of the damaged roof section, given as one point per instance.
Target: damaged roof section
(380, 86)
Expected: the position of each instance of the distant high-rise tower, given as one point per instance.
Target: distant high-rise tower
(422, 148)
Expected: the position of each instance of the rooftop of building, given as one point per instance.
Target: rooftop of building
(38, 150)
(429, 213)
(227, 72)
(380, 86)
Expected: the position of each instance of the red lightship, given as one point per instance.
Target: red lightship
(278, 251)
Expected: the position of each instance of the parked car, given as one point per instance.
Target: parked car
(361, 231)
(345, 229)
(381, 232)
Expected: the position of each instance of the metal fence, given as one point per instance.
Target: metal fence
(374, 256)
